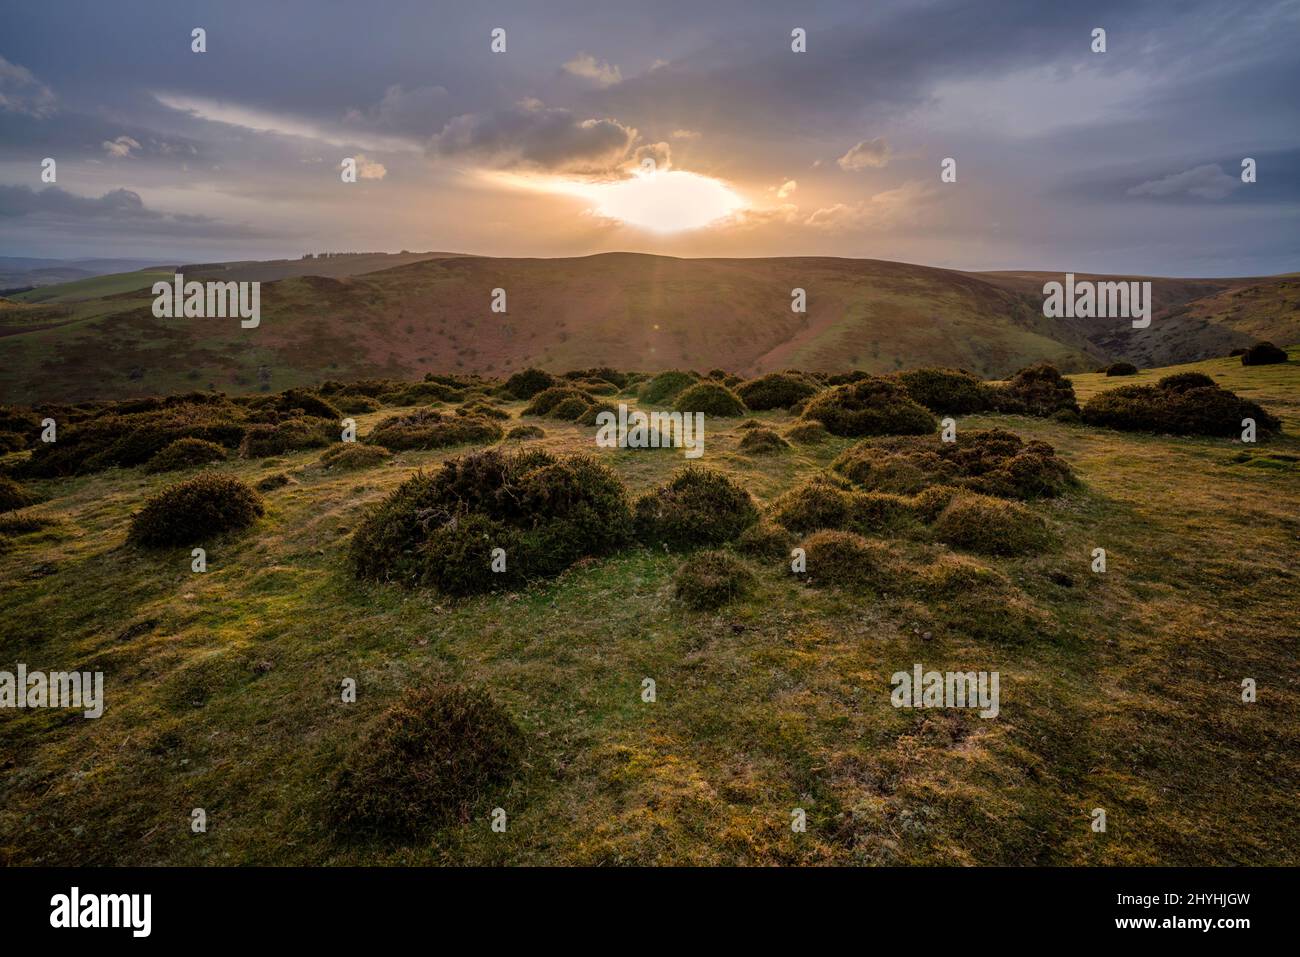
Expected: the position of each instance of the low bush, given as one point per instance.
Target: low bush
(13, 496)
(873, 406)
(348, 456)
(1263, 354)
(663, 388)
(762, 442)
(1185, 404)
(1038, 390)
(431, 429)
(430, 759)
(698, 507)
(710, 579)
(945, 391)
(711, 398)
(546, 401)
(290, 435)
(821, 502)
(843, 559)
(992, 526)
(195, 510)
(521, 433)
(1121, 368)
(807, 432)
(775, 390)
(529, 382)
(765, 539)
(185, 454)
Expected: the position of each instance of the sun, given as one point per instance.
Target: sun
(662, 202)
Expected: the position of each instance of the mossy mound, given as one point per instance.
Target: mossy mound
(422, 393)
(289, 435)
(709, 579)
(843, 559)
(350, 456)
(698, 507)
(1121, 368)
(765, 539)
(185, 454)
(529, 382)
(808, 432)
(991, 526)
(821, 502)
(195, 510)
(711, 398)
(992, 461)
(549, 402)
(664, 388)
(356, 404)
(431, 429)
(947, 391)
(1039, 390)
(775, 390)
(430, 759)
(1185, 404)
(1263, 354)
(521, 433)
(762, 442)
(441, 529)
(484, 410)
(872, 406)
(13, 496)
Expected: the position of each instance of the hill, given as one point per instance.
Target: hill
(329, 317)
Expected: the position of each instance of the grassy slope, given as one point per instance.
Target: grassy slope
(223, 688)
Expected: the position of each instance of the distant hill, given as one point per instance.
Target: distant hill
(401, 316)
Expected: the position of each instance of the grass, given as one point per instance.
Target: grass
(223, 688)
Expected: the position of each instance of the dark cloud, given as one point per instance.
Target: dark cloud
(536, 136)
(119, 207)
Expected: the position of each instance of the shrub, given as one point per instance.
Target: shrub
(947, 390)
(600, 374)
(570, 409)
(529, 382)
(545, 402)
(12, 442)
(762, 442)
(274, 481)
(873, 406)
(13, 496)
(263, 439)
(295, 403)
(483, 410)
(185, 454)
(841, 558)
(431, 429)
(423, 393)
(1178, 405)
(347, 456)
(521, 433)
(1121, 368)
(992, 461)
(194, 510)
(593, 411)
(776, 390)
(1236, 352)
(765, 539)
(711, 398)
(697, 507)
(710, 579)
(111, 438)
(878, 512)
(1038, 390)
(663, 388)
(1263, 354)
(430, 759)
(807, 432)
(819, 503)
(356, 404)
(546, 512)
(994, 526)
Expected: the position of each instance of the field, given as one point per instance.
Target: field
(1123, 693)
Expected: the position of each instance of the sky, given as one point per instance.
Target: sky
(681, 128)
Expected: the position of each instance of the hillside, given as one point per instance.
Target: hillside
(97, 338)
(1119, 691)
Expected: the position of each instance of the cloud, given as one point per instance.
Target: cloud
(660, 153)
(20, 92)
(120, 147)
(889, 208)
(418, 112)
(786, 188)
(120, 208)
(874, 153)
(368, 168)
(530, 135)
(585, 65)
(1207, 182)
(685, 135)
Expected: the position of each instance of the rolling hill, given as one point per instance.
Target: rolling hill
(334, 318)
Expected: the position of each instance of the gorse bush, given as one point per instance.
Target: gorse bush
(1184, 404)
(1121, 368)
(711, 398)
(290, 435)
(195, 510)
(873, 406)
(776, 390)
(547, 401)
(431, 429)
(807, 433)
(529, 382)
(13, 496)
(992, 461)
(430, 759)
(347, 456)
(1263, 354)
(521, 433)
(697, 507)
(185, 454)
(710, 579)
(821, 502)
(945, 391)
(843, 559)
(762, 442)
(993, 526)
(483, 410)
(663, 388)
(439, 529)
(1039, 390)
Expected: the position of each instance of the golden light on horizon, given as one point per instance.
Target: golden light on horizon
(668, 201)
